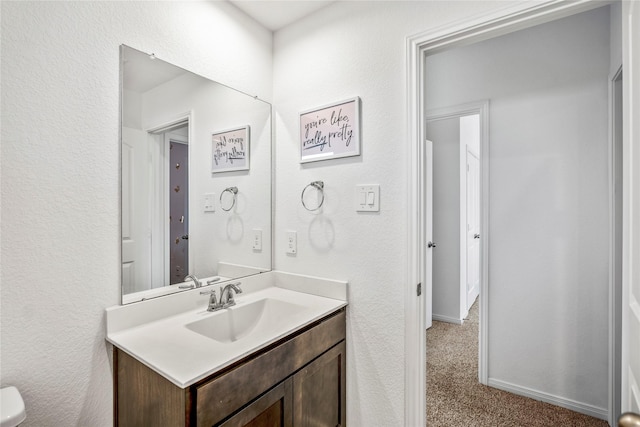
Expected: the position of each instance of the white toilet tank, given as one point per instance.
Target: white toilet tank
(12, 411)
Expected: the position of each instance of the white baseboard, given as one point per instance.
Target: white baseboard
(583, 408)
(446, 319)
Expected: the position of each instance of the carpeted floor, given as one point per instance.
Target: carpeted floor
(455, 398)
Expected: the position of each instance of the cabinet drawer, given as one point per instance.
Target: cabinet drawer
(225, 394)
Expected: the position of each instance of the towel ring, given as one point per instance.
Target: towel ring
(319, 186)
(234, 193)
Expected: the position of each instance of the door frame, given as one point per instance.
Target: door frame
(169, 138)
(615, 292)
(630, 390)
(158, 133)
(482, 109)
(498, 22)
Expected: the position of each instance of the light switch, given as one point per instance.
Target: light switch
(257, 240)
(368, 198)
(292, 242)
(210, 202)
(362, 198)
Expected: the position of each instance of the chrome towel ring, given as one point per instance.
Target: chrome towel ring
(234, 194)
(319, 186)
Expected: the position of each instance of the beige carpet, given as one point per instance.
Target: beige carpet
(455, 398)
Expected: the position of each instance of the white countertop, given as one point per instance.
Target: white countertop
(155, 332)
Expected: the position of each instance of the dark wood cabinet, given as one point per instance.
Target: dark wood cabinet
(319, 391)
(273, 409)
(298, 381)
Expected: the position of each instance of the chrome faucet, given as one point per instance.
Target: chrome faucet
(193, 278)
(228, 292)
(226, 296)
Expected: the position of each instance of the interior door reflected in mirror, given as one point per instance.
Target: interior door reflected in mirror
(185, 141)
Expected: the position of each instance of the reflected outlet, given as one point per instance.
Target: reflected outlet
(257, 240)
(292, 242)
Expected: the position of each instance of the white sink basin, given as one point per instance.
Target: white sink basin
(179, 339)
(237, 322)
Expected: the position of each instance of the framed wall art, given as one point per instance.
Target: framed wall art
(331, 131)
(230, 150)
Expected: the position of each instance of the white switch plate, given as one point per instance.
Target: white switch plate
(257, 239)
(210, 202)
(368, 198)
(292, 242)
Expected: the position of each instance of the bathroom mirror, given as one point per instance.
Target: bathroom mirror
(196, 179)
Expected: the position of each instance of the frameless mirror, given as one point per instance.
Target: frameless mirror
(196, 179)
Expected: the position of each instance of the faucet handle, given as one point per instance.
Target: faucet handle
(213, 301)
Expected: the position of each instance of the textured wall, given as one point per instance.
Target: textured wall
(60, 191)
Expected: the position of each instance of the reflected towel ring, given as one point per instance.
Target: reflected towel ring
(234, 193)
(319, 186)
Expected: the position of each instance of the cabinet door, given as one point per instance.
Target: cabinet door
(273, 409)
(319, 391)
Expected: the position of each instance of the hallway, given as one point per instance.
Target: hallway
(455, 397)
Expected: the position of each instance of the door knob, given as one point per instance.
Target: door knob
(431, 245)
(629, 419)
(476, 236)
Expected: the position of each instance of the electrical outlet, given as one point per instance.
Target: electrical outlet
(210, 202)
(292, 242)
(257, 239)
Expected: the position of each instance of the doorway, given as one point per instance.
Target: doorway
(168, 154)
(420, 46)
(454, 280)
(177, 142)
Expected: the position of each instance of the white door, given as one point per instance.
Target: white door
(428, 192)
(135, 227)
(473, 228)
(631, 209)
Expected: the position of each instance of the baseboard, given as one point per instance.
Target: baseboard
(583, 408)
(446, 319)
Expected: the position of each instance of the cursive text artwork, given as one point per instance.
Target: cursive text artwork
(330, 132)
(230, 150)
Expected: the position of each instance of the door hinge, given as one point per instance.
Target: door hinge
(419, 289)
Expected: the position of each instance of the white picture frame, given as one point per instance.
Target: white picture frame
(331, 131)
(230, 149)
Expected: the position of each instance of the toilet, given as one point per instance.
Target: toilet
(12, 411)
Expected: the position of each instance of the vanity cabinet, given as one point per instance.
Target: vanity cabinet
(297, 381)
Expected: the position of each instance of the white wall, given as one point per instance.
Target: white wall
(548, 256)
(60, 189)
(355, 49)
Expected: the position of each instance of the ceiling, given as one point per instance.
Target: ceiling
(275, 14)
